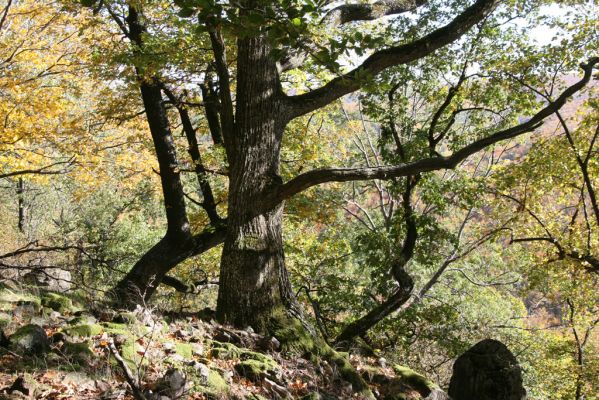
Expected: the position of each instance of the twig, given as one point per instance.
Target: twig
(137, 393)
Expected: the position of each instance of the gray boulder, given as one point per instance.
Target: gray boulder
(487, 371)
(30, 339)
(53, 279)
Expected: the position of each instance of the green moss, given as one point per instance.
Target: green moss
(184, 350)
(127, 350)
(296, 338)
(116, 328)
(78, 352)
(81, 320)
(9, 296)
(129, 353)
(86, 330)
(30, 339)
(415, 380)
(213, 386)
(254, 370)
(224, 351)
(57, 302)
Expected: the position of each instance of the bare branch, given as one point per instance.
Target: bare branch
(45, 170)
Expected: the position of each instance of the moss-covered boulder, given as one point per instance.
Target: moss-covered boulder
(209, 382)
(57, 302)
(84, 330)
(257, 368)
(80, 353)
(125, 317)
(12, 297)
(30, 339)
(224, 351)
(415, 380)
(116, 328)
(83, 319)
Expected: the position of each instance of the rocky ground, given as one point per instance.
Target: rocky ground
(55, 346)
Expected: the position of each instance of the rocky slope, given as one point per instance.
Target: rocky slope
(54, 346)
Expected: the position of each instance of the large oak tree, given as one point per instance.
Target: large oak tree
(253, 43)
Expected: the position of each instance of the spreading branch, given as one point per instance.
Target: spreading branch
(319, 176)
(49, 169)
(345, 14)
(393, 56)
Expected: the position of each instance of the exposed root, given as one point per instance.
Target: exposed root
(295, 338)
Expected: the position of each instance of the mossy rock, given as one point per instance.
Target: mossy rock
(58, 302)
(185, 350)
(415, 380)
(260, 357)
(224, 351)
(125, 317)
(116, 328)
(30, 339)
(255, 370)
(78, 352)
(214, 386)
(87, 330)
(10, 297)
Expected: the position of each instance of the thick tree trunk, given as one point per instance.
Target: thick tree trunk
(253, 279)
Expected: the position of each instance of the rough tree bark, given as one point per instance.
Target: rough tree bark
(253, 278)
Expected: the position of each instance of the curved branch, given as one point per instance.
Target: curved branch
(383, 59)
(367, 12)
(319, 176)
(344, 14)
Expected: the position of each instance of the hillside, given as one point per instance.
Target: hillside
(54, 346)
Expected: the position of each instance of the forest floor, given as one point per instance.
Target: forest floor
(54, 346)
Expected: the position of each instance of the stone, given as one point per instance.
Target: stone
(57, 302)
(255, 370)
(58, 337)
(487, 371)
(437, 394)
(84, 330)
(168, 347)
(269, 344)
(197, 349)
(30, 339)
(54, 279)
(23, 386)
(173, 384)
(79, 353)
(202, 370)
